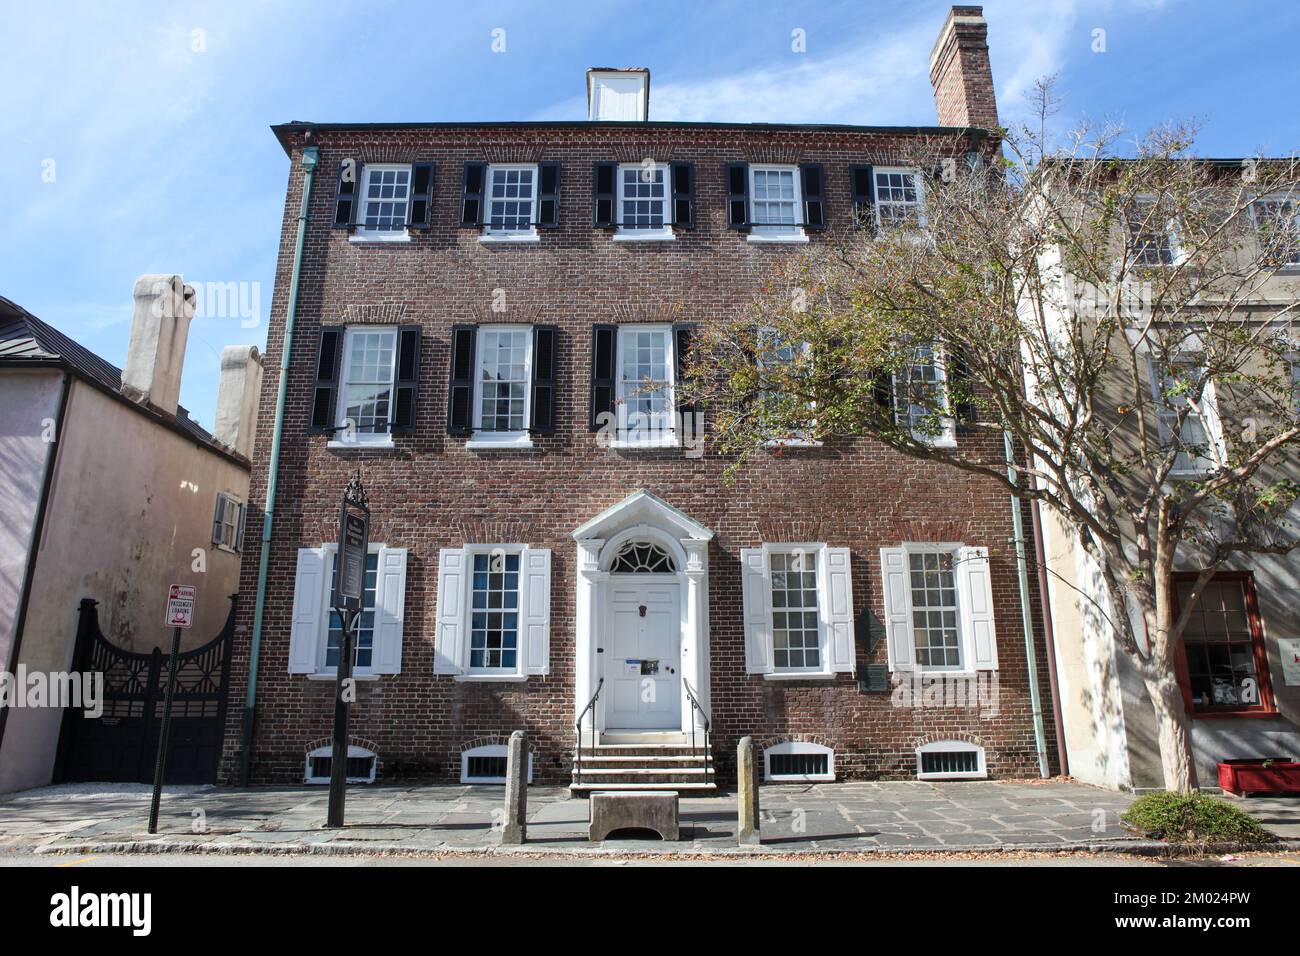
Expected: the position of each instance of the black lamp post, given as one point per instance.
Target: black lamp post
(349, 585)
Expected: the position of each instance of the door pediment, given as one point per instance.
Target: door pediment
(642, 508)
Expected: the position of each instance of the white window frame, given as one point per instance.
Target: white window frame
(802, 438)
(623, 391)
(323, 672)
(964, 651)
(1209, 417)
(360, 233)
(918, 183)
(952, 746)
(799, 747)
(510, 235)
(637, 234)
(1293, 366)
(776, 233)
(1171, 237)
(343, 437)
(812, 553)
(494, 673)
(948, 438)
(1293, 264)
(229, 504)
(488, 750)
(353, 751)
(501, 439)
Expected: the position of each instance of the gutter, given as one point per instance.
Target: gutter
(1026, 619)
(310, 156)
(33, 551)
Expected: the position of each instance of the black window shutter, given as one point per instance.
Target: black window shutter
(682, 335)
(347, 194)
(604, 360)
(460, 400)
(542, 413)
(813, 182)
(683, 195)
(471, 194)
(882, 389)
(327, 379)
(604, 177)
(862, 183)
(408, 379)
(420, 210)
(738, 195)
(960, 390)
(548, 195)
(217, 517)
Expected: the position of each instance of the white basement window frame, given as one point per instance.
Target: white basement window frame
(917, 604)
(942, 755)
(510, 203)
(645, 202)
(490, 751)
(797, 748)
(457, 627)
(503, 357)
(775, 204)
(327, 752)
(384, 203)
(367, 387)
(769, 634)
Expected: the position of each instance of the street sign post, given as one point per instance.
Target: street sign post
(349, 586)
(180, 614)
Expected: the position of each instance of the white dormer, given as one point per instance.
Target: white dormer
(618, 94)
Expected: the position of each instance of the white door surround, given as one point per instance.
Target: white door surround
(642, 518)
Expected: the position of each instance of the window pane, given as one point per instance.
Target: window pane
(646, 410)
(510, 199)
(387, 192)
(795, 641)
(503, 379)
(934, 610)
(1220, 646)
(643, 200)
(897, 199)
(364, 637)
(367, 390)
(494, 612)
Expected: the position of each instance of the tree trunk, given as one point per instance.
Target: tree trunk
(1173, 731)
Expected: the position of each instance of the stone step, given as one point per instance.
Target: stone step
(638, 750)
(638, 761)
(634, 771)
(584, 788)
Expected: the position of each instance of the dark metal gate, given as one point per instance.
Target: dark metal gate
(121, 745)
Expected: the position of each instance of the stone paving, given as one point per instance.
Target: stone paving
(855, 816)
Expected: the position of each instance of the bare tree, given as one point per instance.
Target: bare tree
(1123, 325)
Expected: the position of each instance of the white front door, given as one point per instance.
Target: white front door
(642, 656)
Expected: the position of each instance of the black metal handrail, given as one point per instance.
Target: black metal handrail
(697, 706)
(591, 704)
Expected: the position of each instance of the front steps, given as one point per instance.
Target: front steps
(644, 761)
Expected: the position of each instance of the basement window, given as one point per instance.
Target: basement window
(361, 765)
(797, 762)
(950, 760)
(487, 764)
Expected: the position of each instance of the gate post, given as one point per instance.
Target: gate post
(87, 627)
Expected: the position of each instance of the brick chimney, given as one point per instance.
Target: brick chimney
(160, 327)
(238, 396)
(960, 71)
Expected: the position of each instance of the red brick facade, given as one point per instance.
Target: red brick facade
(430, 492)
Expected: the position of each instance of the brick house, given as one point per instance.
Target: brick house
(488, 320)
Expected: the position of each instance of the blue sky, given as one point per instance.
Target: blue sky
(131, 144)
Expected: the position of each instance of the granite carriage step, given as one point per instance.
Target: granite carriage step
(612, 812)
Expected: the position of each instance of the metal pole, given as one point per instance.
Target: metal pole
(161, 763)
(339, 755)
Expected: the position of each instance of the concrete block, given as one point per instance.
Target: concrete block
(644, 810)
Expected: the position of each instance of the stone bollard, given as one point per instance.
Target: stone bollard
(516, 828)
(747, 794)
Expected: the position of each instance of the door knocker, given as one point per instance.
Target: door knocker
(642, 610)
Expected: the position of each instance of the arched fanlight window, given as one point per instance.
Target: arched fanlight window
(642, 557)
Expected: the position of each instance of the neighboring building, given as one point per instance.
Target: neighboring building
(109, 489)
(1239, 663)
(489, 324)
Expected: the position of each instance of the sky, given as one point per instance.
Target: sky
(134, 136)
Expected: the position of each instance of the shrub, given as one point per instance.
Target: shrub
(1193, 818)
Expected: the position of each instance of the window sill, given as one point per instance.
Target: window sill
(506, 238)
(520, 442)
(792, 443)
(636, 236)
(624, 444)
(402, 236)
(490, 678)
(799, 675)
(360, 445)
(776, 237)
(333, 676)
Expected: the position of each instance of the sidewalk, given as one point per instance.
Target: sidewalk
(904, 816)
